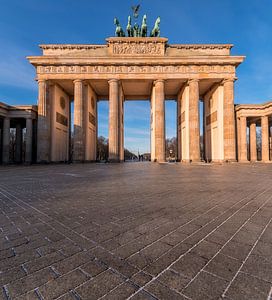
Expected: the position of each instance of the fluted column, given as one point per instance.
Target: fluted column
(18, 143)
(243, 139)
(44, 141)
(159, 120)
(6, 140)
(194, 139)
(28, 141)
(229, 121)
(253, 142)
(79, 132)
(114, 154)
(265, 139)
(121, 126)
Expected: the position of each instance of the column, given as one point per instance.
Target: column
(114, 154)
(270, 140)
(243, 139)
(28, 141)
(253, 142)
(6, 140)
(265, 139)
(121, 125)
(159, 120)
(18, 143)
(229, 121)
(179, 145)
(238, 138)
(79, 134)
(194, 139)
(44, 141)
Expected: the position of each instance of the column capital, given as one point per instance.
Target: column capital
(41, 80)
(159, 81)
(77, 81)
(192, 80)
(113, 80)
(225, 80)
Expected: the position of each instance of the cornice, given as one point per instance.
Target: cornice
(265, 105)
(136, 40)
(201, 46)
(71, 46)
(193, 60)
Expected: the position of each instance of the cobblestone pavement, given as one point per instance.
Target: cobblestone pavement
(136, 231)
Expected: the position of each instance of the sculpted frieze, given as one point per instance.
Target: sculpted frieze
(137, 49)
(175, 69)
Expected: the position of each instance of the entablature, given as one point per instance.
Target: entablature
(254, 110)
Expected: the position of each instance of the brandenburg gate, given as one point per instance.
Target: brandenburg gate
(140, 68)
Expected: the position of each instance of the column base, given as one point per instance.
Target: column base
(230, 161)
(114, 160)
(244, 161)
(266, 161)
(217, 161)
(190, 161)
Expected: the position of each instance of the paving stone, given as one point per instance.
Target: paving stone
(206, 286)
(29, 296)
(258, 266)
(100, 285)
(136, 221)
(72, 262)
(236, 250)
(190, 264)
(166, 259)
(43, 262)
(174, 280)
(223, 266)
(93, 268)
(30, 282)
(141, 278)
(123, 291)
(163, 292)
(248, 287)
(11, 275)
(63, 284)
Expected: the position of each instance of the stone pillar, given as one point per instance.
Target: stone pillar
(265, 139)
(114, 154)
(243, 139)
(179, 145)
(121, 125)
(6, 140)
(18, 142)
(28, 141)
(253, 142)
(79, 132)
(238, 126)
(159, 120)
(44, 141)
(229, 121)
(194, 139)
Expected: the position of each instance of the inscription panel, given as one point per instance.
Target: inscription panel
(92, 119)
(211, 118)
(61, 119)
(138, 49)
(142, 69)
(182, 119)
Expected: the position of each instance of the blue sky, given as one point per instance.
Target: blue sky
(245, 23)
